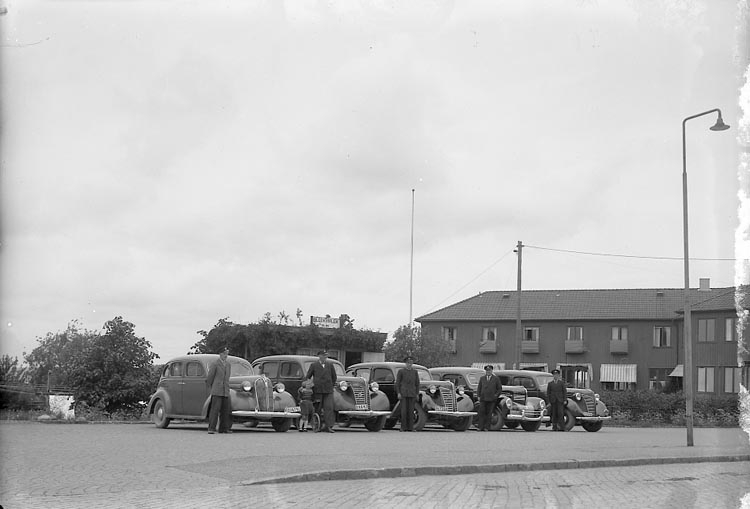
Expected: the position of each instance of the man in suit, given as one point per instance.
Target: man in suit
(557, 395)
(218, 382)
(407, 390)
(488, 391)
(324, 377)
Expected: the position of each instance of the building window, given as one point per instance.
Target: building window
(732, 378)
(531, 334)
(705, 379)
(730, 329)
(662, 336)
(658, 378)
(450, 335)
(575, 333)
(617, 386)
(706, 330)
(489, 333)
(620, 333)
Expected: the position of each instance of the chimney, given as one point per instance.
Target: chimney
(705, 284)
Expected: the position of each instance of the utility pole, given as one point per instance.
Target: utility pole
(519, 331)
(411, 267)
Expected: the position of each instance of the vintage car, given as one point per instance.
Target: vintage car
(182, 393)
(582, 408)
(514, 406)
(438, 401)
(354, 400)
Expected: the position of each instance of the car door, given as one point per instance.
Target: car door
(291, 375)
(386, 382)
(173, 384)
(194, 389)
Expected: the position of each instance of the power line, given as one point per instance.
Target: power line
(612, 255)
(475, 278)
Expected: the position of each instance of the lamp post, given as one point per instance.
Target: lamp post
(688, 325)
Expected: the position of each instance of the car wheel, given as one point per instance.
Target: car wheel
(570, 420)
(281, 425)
(512, 424)
(475, 419)
(498, 418)
(593, 427)
(316, 423)
(346, 423)
(160, 415)
(375, 424)
(531, 425)
(390, 423)
(461, 424)
(252, 423)
(420, 418)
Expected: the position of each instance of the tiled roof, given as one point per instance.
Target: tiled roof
(724, 299)
(616, 304)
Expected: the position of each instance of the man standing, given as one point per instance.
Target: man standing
(218, 382)
(407, 389)
(557, 396)
(488, 391)
(324, 376)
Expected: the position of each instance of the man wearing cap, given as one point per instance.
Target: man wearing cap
(557, 396)
(407, 390)
(218, 382)
(488, 391)
(324, 376)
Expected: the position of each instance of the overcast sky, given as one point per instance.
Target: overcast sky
(176, 162)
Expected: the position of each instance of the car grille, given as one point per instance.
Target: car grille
(449, 398)
(263, 389)
(590, 403)
(533, 414)
(361, 395)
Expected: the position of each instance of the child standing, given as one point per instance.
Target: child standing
(306, 407)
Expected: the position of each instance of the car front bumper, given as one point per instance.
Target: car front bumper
(265, 415)
(364, 414)
(457, 415)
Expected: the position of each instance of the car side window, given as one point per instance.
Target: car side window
(175, 369)
(362, 372)
(194, 369)
(505, 380)
(270, 369)
(382, 375)
(291, 370)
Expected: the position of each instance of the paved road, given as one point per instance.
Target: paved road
(58, 465)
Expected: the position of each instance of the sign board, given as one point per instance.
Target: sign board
(325, 322)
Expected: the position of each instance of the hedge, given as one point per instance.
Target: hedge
(653, 408)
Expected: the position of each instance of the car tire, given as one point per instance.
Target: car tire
(390, 423)
(462, 424)
(252, 423)
(498, 417)
(531, 425)
(593, 427)
(160, 415)
(512, 424)
(316, 423)
(375, 424)
(570, 420)
(420, 418)
(281, 424)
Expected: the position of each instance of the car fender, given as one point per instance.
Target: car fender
(283, 400)
(534, 402)
(379, 401)
(572, 406)
(464, 404)
(601, 408)
(162, 395)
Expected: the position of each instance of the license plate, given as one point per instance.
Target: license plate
(361, 407)
(440, 408)
(291, 409)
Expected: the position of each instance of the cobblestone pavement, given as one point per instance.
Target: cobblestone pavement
(62, 465)
(714, 485)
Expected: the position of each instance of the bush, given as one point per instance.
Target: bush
(654, 408)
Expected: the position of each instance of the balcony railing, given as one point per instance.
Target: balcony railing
(487, 346)
(618, 346)
(574, 346)
(530, 346)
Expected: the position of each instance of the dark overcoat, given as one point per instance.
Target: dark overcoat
(407, 383)
(218, 378)
(324, 377)
(489, 390)
(556, 392)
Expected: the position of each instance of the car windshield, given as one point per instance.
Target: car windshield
(473, 378)
(543, 379)
(336, 367)
(240, 369)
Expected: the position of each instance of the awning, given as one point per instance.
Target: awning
(677, 371)
(537, 366)
(618, 373)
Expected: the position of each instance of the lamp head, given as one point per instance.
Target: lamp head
(719, 125)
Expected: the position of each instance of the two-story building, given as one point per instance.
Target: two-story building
(612, 339)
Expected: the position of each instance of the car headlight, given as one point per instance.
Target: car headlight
(247, 386)
(460, 390)
(374, 386)
(508, 402)
(279, 387)
(596, 396)
(578, 396)
(343, 385)
(541, 404)
(433, 389)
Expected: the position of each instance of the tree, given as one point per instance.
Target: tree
(116, 371)
(58, 353)
(427, 350)
(15, 390)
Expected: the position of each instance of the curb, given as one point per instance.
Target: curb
(380, 473)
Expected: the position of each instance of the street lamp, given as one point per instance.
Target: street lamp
(687, 329)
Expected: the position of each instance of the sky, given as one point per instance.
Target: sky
(179, 162)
